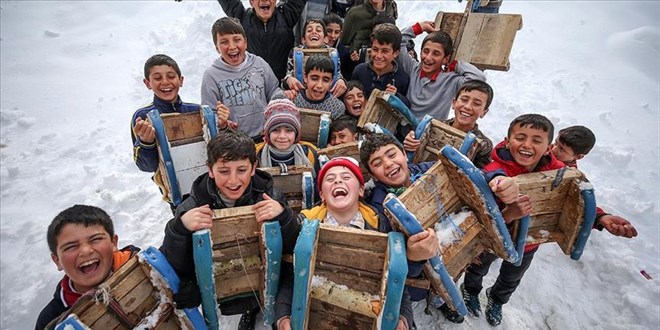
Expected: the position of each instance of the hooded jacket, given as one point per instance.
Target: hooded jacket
(365, 74)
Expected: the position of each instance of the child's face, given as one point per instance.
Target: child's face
(382, 56)
(282, 137)
(343, 136)
(165, 82)
(232, 177)
(389, 165)
(468, 108)
(318, 84)
(314, 35)
(264, 9)
(332, 33)
(354, 101)
(85, 254)
(433, 57)
(565, 153)
(231, 48)
(340, 189)
(527, 145)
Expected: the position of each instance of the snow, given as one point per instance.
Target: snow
(72, 77)
(448, 230)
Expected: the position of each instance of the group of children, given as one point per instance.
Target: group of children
(260, 126)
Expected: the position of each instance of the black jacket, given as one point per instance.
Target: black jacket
(272, 40)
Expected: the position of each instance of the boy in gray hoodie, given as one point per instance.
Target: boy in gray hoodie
(238, 85)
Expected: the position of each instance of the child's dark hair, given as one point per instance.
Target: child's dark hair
(317, 21)
(332, 18)
(479, 85)
(441, 38)
(230, 145)
(534, 121)
(387, 33)
(344, 122)
(372, 143)
(578, 138)
(160, 59)
(85, 215)
(320, 62)
(353, 84)
(226, 25)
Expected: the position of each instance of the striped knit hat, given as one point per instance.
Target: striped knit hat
(281, 112)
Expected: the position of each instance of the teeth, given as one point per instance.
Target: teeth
(465, 114)
(393, 173)
(89, 262)
(165, 90)
(525, 153)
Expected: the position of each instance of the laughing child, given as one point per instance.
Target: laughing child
(319, 73)
(354, 99)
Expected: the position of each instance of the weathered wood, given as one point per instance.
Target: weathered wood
(325, 316)
(359, 258)
(436, 136)
(289, 183)
(236, 285)
(352, 237)
(234, 224)
(237, 267)
(572, 217)
(349, 149)
(310, 120)
(378, 111)
(463, 257)
(345, 297)
(358, 280)
(182, 126)
(307, 52)
(235, 252)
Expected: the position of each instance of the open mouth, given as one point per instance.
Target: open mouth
(393, 173)
(526, 154)
(357, 105)
(264, 7)
(166, 90)
(339, 192)
(234, 189)
(234, 56)
(314, 37)
(465, 114)
(90, 266)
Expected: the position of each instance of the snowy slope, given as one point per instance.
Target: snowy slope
(71, 78)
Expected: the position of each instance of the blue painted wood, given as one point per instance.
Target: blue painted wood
(71, 322)
(334, 56)
(410, 226)
(303, 266)
(203, 258)
(403, 109)
(419, 131)
(397, 269)
(308, 190)
(211, 120)
(523, 228)
(298, 55)
(164, 147)
(477, 178)
(324, 131)
(375, 128)
(469, 140)
(587, 224)
(475, 5)
(272, 236)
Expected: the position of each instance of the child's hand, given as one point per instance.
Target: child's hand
(409, 143)
(422, 246)
(222, 112)
(618, 226)
(284, 323)
(198, 218)
(290, 94)
(145, 131)
(294, 84)
(339, 88)
(267, 209)
(428, 26)
(521, 207)
(390, 89)
(355, 56)
(402, 325)
(232, 124)
(505, 188)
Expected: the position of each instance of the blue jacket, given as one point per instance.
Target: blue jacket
(368, 78)
(145, 155)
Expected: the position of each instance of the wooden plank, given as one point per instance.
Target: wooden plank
(325, 316)
(470, 228)
(378, 111)
(572, 217)
(342, 296)
(487, 40)
(545, 234)
(233, 286)
(463, 257)
(236, 252)
(352, 237)
(309, 124)
(236, 267)
(436, 136)
(232, 224)
(358, 280)
(181, 126)
(349, 149)
(450, 24)
(359, 258)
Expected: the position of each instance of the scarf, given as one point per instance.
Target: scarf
(295, 151)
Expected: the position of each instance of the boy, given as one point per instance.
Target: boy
(343, 130)
(572, 144)
(238, 84)
(83, 244)
(382, 71)
(470, 104)
(163, 76)
(434, 81)
(333, 25)
(525, 150)
(354, 99)
(232, 180)
(319, 71)
(313, 38)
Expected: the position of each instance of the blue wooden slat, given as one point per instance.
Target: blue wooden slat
(396, 281)
(211, 120)
(272, 235)
(403, 109)
(164, 146)
(335, 60)
(469, 140)
(419, 131)
(203, 258)
(308, 190)
(523, 228)
(324, 131)
(298, 56)
(587, 224)
(72, 322)
(303, 260)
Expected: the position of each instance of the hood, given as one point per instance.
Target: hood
(502, 156)
(204, 190)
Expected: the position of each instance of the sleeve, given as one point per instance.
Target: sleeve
(271, 84)
(210, 92)
(145, 156)
(599, 214)
(290, 71)
(292, 9)
(177, 244)
(406, 62)
(469, 71)
(348, 33)
(233, 8)
(484, 150)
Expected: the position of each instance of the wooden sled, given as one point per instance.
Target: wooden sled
(181, 140)
(137, 296)
(386, 110)
(347, 278)
(296, 183)
(300, 56)
(434, 134)
(484, 40)
(237, 256)
(350, 149)
(451, 186)
(563, 210)
(315, 126)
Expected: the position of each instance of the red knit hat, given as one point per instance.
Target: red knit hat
(347, 162)
(281, 112)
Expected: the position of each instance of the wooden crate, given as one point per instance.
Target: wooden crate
(347, 278)
(436, 135)
(315, 126)
(387, 111)
(350, 149)
(293, 183)
(305, 53)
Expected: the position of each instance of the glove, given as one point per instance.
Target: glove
(188, 295)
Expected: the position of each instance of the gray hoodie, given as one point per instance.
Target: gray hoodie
(245, 89)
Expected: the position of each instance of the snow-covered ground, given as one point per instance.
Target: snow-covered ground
(71, 79)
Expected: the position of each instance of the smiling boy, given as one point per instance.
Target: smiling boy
(319, 73)
(83, 244)
(354, 99)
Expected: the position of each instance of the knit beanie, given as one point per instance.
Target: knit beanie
(347, 162)
(281, 112)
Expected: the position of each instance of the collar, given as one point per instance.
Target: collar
(432, 78)
(304, 96)
(167, 107)
(395, 68)
(357, 221)
(68, 294)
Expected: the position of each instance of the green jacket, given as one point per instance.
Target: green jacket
(359, 22)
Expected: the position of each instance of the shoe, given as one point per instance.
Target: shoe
(493, 311)
(471, 302)
(450, 314)
(248, 319)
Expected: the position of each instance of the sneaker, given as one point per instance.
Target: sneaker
(493, 311)
(248, 319)
(471, 302)
(450, 314)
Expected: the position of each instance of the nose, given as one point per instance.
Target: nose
(86, 249)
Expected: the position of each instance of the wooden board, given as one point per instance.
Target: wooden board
(290, 184)
(183, 127)
(436, 136)
(310, 123)
(349, 149)
(378, 111)
(307, 52)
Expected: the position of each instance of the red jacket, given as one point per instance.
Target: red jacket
(599, 211)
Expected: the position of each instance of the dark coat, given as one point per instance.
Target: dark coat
(361, 19)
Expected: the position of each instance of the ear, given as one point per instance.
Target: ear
(147, 83)
(361, 192)
(483, 114)
(548, 150)
(579, 156)
(506, 139)
(254, 168)
(321, 195)
(115, 240)
(56, 260)
(355, 136)
(211, 172)
(396, 53)
(181, 81)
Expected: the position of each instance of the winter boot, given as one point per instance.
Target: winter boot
(248, 319)
(471, 302)
(451, 314)
(493, 311)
